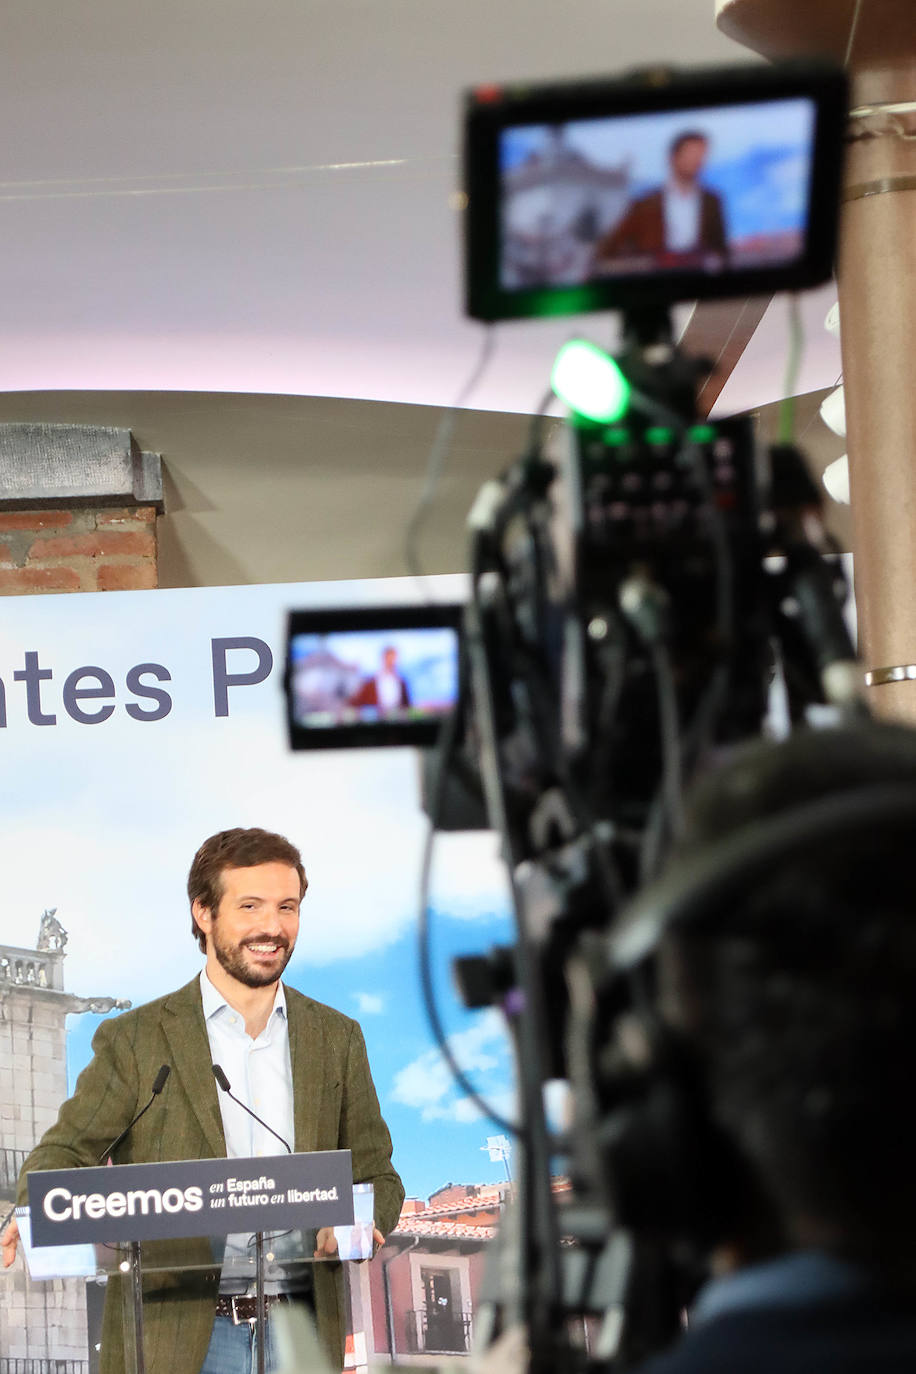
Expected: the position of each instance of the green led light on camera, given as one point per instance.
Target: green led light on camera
(702, 434)
(589, 382)
(617, 436)
(659, 434)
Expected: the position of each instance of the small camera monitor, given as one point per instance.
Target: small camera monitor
(652, 189)
(374, 676)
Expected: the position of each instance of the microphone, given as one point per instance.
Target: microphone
(223, 1082)
(158, 1085)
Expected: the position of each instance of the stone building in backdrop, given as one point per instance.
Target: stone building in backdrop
(43, 1327)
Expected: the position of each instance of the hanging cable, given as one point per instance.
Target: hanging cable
(438, 453)
(539, 1258)
(856, 14)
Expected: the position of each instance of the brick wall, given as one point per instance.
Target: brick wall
(80, 550)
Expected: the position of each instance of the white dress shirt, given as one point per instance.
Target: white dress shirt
(260, 1074)
(259, 1071)
(682, 218)
(388, 690)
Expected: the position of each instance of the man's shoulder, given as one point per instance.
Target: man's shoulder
(149, 1013)
(299, 1004)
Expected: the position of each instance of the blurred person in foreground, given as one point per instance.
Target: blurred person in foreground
(799, 1002)
(797, 1007)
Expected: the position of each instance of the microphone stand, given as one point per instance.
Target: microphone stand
(136, 1286)
(133, 1248)
(260, 1299)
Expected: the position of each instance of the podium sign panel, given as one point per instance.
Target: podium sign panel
(191, 1197)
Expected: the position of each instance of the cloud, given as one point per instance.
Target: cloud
(465, 1110)
(469, 879)
(369, 1003)
(426, 1083)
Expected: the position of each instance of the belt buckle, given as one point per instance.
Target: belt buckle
(236, 1319)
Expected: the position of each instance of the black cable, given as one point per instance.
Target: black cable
(614, 668)
(536, 428)
(672, 779)
(664, 819)
(539, 1245)
(542, 691)
(664, 810)
(724, 566)
(435, 463)
(546, 705)
(698, 732)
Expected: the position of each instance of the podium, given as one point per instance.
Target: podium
(159, 1233)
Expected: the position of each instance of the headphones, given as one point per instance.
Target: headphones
(667, 1169)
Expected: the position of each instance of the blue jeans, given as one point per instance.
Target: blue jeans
(233, 1349)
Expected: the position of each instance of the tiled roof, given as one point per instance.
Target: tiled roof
(421, 1225)
(462, 1206)
(450, 1220)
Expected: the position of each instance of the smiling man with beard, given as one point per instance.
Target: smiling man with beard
(300, 1065)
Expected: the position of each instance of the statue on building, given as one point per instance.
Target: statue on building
(51, 934)
(100, 1005)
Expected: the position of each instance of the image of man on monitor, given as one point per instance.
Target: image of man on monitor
(386, 690)
(678, 225)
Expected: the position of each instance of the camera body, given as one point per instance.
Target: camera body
(633, 594)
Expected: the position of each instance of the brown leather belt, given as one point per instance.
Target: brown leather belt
(242, 1310)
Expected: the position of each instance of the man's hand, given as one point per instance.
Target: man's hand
(9, 1242)
(325, 1243)
(378, 1240)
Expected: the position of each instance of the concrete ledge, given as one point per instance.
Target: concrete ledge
(79, 465)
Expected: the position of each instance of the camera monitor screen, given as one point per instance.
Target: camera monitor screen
(577, 203)
(381, 676)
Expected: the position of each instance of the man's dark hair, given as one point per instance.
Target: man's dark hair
(235, 849)
(688, 136)
(801, 998)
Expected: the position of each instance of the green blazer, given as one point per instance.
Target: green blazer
(335, 1107)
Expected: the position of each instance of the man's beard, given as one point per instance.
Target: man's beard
(232, 959)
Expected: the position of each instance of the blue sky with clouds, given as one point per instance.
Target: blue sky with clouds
(102, 821)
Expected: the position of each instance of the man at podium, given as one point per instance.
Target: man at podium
(299, 1066)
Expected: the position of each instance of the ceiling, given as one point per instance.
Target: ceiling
(348, 474)
(218, 195)
(294, 488)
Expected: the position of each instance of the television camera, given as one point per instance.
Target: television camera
(638, 593)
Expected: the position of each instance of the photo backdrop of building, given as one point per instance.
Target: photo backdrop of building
(41, 1324)
(99, 833)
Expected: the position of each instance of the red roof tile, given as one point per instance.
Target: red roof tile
(421, 1225)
